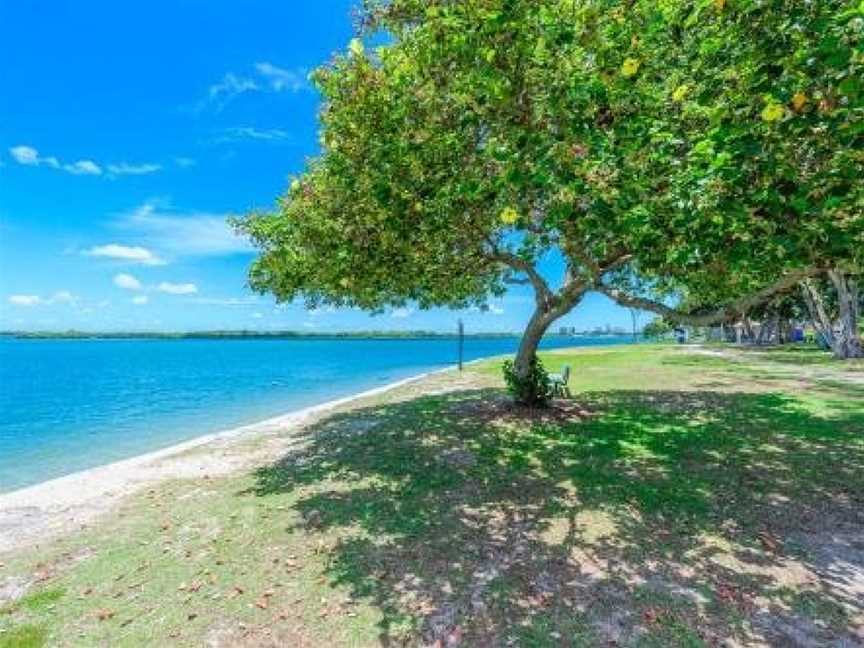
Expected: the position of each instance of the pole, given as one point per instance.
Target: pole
(461, 342)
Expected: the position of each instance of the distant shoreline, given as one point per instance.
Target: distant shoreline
(273, 335)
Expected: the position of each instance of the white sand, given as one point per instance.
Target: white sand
(43, 511)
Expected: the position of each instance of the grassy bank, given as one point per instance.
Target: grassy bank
(678, 499)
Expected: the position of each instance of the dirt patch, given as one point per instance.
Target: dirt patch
(503, 410)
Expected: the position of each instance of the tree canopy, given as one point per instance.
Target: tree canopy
(710, 146)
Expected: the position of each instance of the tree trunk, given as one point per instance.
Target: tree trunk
(748, 330)
(846, 343)
(818, 316)
(772, 329)
(848, 340)
(539, 323)
(786, 331)
(764, 332)
(543, 317)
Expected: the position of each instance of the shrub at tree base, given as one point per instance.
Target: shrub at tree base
(532, 389)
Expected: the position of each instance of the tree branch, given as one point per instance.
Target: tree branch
(516, 282)
(542, 291)
(731, 311)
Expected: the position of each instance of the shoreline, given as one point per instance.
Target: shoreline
(41, 511)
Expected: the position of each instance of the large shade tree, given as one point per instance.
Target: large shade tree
(654, 146)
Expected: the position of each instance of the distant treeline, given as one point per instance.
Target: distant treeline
(219, 335)
(244, 335)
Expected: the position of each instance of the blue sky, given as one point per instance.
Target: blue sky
(129, 131)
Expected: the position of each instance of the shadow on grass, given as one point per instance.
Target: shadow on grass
(649, 516)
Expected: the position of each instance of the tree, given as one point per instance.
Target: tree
(652, 146)
(657, 328)
(834, 306)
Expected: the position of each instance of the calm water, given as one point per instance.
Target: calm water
(67, 405)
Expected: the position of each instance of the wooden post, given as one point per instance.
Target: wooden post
(461, 342)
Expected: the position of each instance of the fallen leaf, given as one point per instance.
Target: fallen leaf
(768, 541)
(104, 614)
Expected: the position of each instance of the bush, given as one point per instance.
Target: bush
(657, 328)
(532, 390)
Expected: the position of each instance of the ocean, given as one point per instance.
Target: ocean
(69, 405)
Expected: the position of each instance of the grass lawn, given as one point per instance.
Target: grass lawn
(678, 499)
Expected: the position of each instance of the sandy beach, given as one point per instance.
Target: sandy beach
(39, 513)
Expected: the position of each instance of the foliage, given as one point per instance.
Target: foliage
(658, 327)
(532, 389)
(708, 147)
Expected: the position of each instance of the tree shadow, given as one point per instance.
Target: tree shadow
(651, 517)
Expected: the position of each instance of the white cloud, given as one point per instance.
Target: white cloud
(252, 133)
(496, 310)
(401, 313)
(59, 297)
(229, 88)
(267, 77)
(62, 297)
(25, 300)
(25, 155)
(256, 316)
(185, 162)
(29, 156)
(83, 167)
(281, 79)
(227, 301)
(127, 282)
(140, 300)
(131, 253)
(185, 233)
(124, 168)
(177, 289)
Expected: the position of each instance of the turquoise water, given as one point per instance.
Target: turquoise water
(68, 405)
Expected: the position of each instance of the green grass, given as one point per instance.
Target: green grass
(23, 636)
(676, 500)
